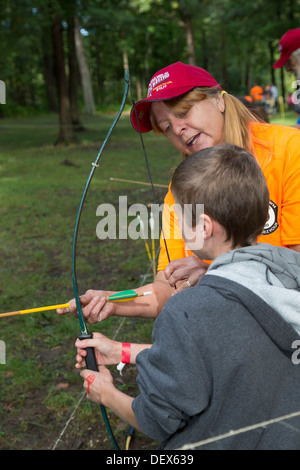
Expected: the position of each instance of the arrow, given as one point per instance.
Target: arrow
(139, 182)
(32, 310)
(124, 296)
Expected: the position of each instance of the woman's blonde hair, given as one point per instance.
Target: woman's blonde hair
(237, 117)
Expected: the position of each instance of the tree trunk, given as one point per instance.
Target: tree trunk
(89, 105)
(99, 77)
(73, 76)
(248, 74)
(189, 38)
(282, 84)
(272, 60)
(204, 50)
(139, 93)
(49, 75)
(125, 60)
(223, 58)
(65, 123)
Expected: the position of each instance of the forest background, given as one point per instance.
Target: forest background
(62, 64)
(69, 56)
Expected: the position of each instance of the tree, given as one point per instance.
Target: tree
(89, 105)
(65, 121)
(73, 75)
(237, 42)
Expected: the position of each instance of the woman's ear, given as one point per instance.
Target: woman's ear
(221, 103)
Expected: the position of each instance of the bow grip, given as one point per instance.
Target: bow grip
(90, 358)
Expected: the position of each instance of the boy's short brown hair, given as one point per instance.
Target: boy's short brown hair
(229, 182)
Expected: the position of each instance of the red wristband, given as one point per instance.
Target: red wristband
(126, 353)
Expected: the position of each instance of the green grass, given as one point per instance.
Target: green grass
(289, 118)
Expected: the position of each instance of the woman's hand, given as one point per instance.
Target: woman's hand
(186, 272)
(93, 304)
(107, 351)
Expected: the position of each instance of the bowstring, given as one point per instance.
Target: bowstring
(149, 172)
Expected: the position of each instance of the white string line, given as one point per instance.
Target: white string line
(84, 393)
(68, 421)
(240, 431)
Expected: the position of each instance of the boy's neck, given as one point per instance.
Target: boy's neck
(214, 240)
(224, 248)
(215, 243)
(218, 248)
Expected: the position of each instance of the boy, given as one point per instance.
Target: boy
(222, 356)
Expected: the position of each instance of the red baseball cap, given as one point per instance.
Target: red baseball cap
(167, 84)
(289, 42)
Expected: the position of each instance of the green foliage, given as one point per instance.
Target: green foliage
(236, 41)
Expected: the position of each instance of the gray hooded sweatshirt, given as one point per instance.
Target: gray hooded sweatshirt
(271, 272)
(226, 355)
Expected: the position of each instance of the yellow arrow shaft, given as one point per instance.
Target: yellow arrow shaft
(32, 310)
(55, 307)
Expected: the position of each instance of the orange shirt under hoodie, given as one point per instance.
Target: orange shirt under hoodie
(277, 150)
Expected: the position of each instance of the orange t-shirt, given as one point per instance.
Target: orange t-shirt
(277, 150)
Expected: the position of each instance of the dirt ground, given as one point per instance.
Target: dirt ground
(34, 426)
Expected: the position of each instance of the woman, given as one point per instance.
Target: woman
(189, 107)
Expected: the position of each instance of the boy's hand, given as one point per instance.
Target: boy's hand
(107, 351)
(99, 385)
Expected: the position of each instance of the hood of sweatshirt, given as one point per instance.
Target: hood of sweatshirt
(272, 273)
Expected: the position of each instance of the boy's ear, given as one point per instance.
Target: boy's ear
(206, 225)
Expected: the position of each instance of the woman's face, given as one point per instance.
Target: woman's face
(201, 127)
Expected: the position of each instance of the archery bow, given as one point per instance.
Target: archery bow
(90, 358)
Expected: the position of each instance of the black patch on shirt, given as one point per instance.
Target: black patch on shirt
(271, 224)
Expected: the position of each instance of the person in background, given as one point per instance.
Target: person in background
(257, 93)
(224, 354)
(289, 47)
(267, 99)
(274, 102)
(189, 107)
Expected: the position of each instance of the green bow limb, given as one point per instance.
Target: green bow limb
(90, 358)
